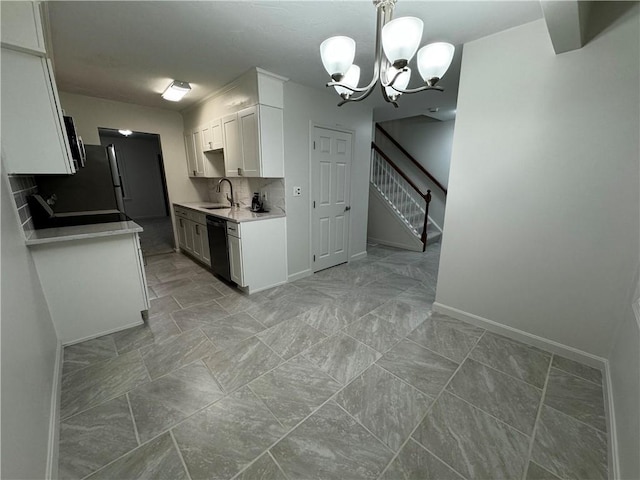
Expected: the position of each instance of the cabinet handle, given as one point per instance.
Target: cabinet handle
(210, 144)
(181, 224)
(239, 171)
(197, 229)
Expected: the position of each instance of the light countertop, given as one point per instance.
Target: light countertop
(236, 214)
(81, 232)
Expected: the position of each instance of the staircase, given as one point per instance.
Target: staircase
(405, 204)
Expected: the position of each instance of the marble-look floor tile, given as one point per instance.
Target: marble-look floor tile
(447, 336)
(178, 351)
(472, 442)
(241, 363)
(405, 315)
(155, 330)
(272, 312)
(422, 368)
(163, 305)
(308, 298)
(172, 286)
(511, 400)
(276, 292)
(513, 358)
(328, 318)
(99, 382)
(159, 405)
(199, 315)
(342, 357)
(291, 337)
(222, 439)
(376, 332)
(388, 407)
(235, 302)
(262, 469)
(331, 445)
(568, 448)
(197, 295)
(578, 369)
(581, 399)
(87, 353)
(293, 390)
(359, 302)
(157, 459)
(231, 330)
(536, 472)
(93, 438)
(331, 287)
(177, 273)
(415, 463)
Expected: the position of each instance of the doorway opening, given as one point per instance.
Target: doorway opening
(144, 184)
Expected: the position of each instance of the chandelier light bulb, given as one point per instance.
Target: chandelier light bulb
(401, 38)
(337, 55)
(434, 61)
(401, 82)
(351, 78)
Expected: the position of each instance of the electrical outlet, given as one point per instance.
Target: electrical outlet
(297, 191)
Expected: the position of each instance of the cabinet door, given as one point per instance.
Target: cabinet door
(206, 252)
(216, 135)
(33, 136)
(232, 148)
(271, 142)
(207, 139)
(182, 233)
(235, 260)
(189, 231)
(197, 240)
(22, 26)
(197, 141)
(191, 154)
(248, 120)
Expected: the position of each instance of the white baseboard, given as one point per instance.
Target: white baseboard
(522, 336)
(54, 416)
(107, 332)
(406, 246)
(557, 348)
(358, 256)
(302, 274)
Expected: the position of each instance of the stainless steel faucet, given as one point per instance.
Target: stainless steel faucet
(231, 200)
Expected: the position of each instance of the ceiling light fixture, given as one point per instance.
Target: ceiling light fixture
(126, 133)
(176, 91)
(399, 39)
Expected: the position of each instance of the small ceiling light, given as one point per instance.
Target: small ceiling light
(176, 91)
(126, 133)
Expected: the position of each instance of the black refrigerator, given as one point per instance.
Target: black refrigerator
(95, 187)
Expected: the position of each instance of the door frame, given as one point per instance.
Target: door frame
(336, 128)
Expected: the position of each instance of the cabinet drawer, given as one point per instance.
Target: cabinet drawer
(198, 217)
(234, 229)
(180, 212)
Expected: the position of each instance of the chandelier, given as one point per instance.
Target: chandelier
(399, 39)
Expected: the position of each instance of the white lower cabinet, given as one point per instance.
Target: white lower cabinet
(93, 286)
(192, 234)
(235, 260)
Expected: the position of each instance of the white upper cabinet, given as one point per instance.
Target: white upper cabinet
(22, 27)
(254, 142)
(34, 139)
(202, 163)
(190, 151)
(212, 136)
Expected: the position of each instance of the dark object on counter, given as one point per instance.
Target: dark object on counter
(44, 217)
(256, 204)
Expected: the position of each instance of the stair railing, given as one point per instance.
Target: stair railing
(405, 196)
(411, 158)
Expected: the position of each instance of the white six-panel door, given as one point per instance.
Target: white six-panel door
(331, 166)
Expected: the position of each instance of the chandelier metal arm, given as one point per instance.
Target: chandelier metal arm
(420, 89)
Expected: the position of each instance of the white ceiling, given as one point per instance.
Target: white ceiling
(130, 51)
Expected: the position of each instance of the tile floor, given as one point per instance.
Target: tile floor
(157, 237)
(343, 375)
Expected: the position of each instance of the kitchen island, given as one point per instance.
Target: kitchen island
(92, 276)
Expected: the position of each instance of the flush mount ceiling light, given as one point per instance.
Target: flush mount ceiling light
(126, 133)
(399, 39)
(176, 91)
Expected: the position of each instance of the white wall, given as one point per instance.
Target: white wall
(141, 174)
(90, 113)
(302, 106)
(542, 214)
(542, 223)
(28, 355)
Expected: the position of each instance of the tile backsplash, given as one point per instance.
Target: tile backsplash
(22, 186)
(244, 188)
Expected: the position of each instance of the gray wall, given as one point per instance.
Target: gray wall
(542, 222)
(28, 354)
(142, 177)
(302, 106)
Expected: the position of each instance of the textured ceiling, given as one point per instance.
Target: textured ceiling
(130, 51)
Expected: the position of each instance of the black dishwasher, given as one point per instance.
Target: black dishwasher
(217, 230)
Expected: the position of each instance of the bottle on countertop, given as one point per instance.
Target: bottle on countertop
(256, 204)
